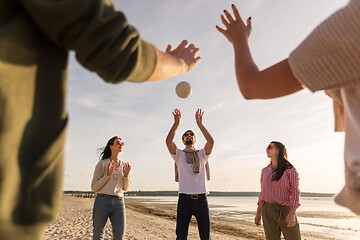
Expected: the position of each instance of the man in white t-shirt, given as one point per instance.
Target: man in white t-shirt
(191, 171)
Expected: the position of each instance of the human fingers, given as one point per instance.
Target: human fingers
(249, 25)
(191, 47)
(197, 60)
(220, 29)
(224, 21)
(168, 49)
(183, 44)
(110, 168)
(236, 13)
(110, 164)
(196, 50)
(228, 16)
(291, 224)
(199, 112)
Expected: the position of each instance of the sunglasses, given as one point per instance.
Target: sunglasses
(120, 143)
(270, 147)
(188, 133)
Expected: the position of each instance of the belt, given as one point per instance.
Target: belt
(106, 195)
(192, 196)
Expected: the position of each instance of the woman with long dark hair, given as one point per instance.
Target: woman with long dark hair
(279, 196)
(111, 179)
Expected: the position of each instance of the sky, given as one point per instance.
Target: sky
(141, 113)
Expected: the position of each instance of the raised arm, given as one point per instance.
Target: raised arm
(209, 139)
(175, 62)
(170, 137)
(106, 43)
(275, 81)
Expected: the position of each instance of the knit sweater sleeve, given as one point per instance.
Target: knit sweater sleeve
(100, 177)
(329, 58)
(127, 183)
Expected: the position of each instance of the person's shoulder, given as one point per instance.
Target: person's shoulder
(202, 152)
(104, 161)
(291, 170)
(267, 168)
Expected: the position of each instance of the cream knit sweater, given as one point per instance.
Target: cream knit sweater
(116, 184)
(329, 58)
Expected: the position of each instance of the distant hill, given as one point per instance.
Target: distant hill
(212, 193)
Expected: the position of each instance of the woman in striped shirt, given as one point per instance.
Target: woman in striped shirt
(279, 197)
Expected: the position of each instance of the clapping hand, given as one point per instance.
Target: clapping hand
(126, 169)
(110, 168)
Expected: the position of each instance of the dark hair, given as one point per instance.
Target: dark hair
(282, 163)
(106, 151)
(182, 137)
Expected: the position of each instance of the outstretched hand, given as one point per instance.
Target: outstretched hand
(177, 116)
(198, 116)
(235, 29)
(185, 54)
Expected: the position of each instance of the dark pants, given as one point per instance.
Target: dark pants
(189, 205)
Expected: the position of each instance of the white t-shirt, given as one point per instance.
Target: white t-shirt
(190, 182)
(351, 100)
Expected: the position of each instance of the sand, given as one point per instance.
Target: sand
(145, 223)
(75, 222)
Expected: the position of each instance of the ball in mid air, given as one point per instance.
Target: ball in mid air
(183, 89)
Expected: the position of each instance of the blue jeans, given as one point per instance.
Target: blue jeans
(108, 206)
(185, 209)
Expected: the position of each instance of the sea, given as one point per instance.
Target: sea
(319, 215)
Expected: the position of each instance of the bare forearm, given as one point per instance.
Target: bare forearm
(275, 81)
(209, 139)
(259, 209)
(170, 137)
(171, 134)
(245, 67)
(167, 67)
(292, 210)
(206, 133)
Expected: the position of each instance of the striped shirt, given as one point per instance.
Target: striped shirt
(285, 191)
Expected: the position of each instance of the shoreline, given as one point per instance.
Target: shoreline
(148, 219)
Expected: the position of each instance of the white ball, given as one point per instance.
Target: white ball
(183, 89)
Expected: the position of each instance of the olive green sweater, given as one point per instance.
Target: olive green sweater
(35, 38)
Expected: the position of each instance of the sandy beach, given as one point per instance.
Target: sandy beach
(145, 223)
(142, 223)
